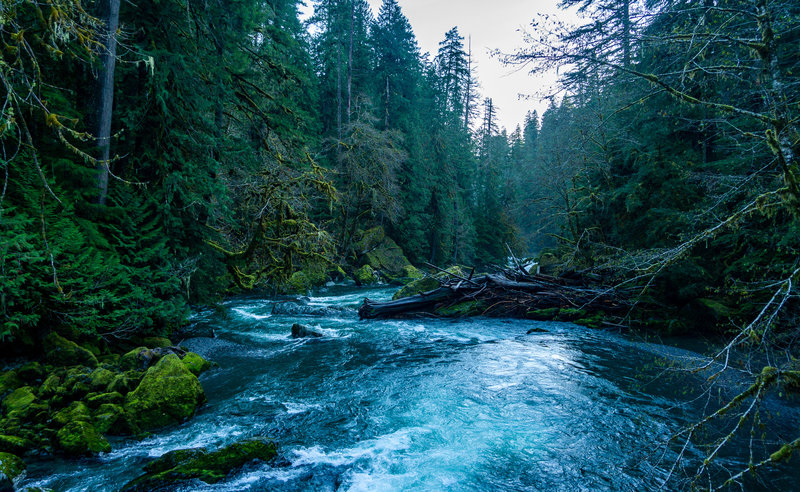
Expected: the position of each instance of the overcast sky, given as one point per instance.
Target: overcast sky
(493, 24)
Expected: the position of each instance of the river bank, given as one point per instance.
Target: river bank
(418, 404)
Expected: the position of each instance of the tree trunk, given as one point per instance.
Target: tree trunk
(350, 63)
(103, 96)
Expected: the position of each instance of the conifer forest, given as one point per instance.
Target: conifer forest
(197, 196)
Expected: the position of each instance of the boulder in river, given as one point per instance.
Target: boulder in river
(79, 438)
(168, 394)
(303, 331)
(11, 467)
(174, 468)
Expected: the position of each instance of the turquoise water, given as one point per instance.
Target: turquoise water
(421, 404)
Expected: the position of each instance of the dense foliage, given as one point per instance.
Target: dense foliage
(206, 146)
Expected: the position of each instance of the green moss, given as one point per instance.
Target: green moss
(593, 321)
(9, 381)
(548, 314)
(100, 379)
(81, 438)
(177, 466)
(11, 466)
(426, 284)
(50, 386)
(168, 394)
(63, 352)
(112, 419)
(19, 400)
(156, 342)
(195, 363)
(571, 314)
(76, 411)
(462, 309)
(123, 383)
(31, 372)
(104, 398)
(366, 275)
(137, 359)
(14, 444)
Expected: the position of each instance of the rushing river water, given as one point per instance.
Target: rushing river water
(421, 404)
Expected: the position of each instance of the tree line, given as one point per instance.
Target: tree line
(160, 154)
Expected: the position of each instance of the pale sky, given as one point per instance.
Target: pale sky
(493, 25)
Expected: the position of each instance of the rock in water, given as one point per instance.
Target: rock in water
(81, 438)
(303, 331)
(174, 468)
(168, 394)
(11, 467)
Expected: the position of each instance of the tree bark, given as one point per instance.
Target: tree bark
(103, 100)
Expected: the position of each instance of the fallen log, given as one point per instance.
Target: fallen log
(507, 294)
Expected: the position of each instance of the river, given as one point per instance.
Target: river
(422, 404)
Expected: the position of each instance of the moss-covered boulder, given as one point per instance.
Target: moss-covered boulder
(62, 352)
(195, 363)
(366, 275)
(168, 394)
(156, 342)
(111, 419)
(81, 439)
(95, 401)
(175, 467)
(375, 249)
(425, 284)
(100, 379)
(32, 372)
(19, 400)
(50, 386)
(11, 468)
(76, 411)
(9, 381)
(137, 359)
(14, 445)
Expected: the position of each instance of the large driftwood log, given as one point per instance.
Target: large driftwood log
(506, 294)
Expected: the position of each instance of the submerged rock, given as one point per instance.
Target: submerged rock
(175, 467)
(62, 352)
(303, 331)
(168, 394)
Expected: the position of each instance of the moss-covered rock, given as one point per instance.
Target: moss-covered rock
(50, 386)
(548, 314)
(81, 438)
(9, 381)
(462, 309)
(366, 275)
(112, 419)
(104, 398)
(426, 284)
(32, 372)
(168, 394)
(195, 363)
(123, 383)
(137, 359)
(19, 400)
(100, 379)
(156, 342)
(179, 466)
(14, 445)
(11, 468)
(76, 411)
(63, 352)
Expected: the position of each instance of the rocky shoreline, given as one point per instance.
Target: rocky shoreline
(77, 396)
